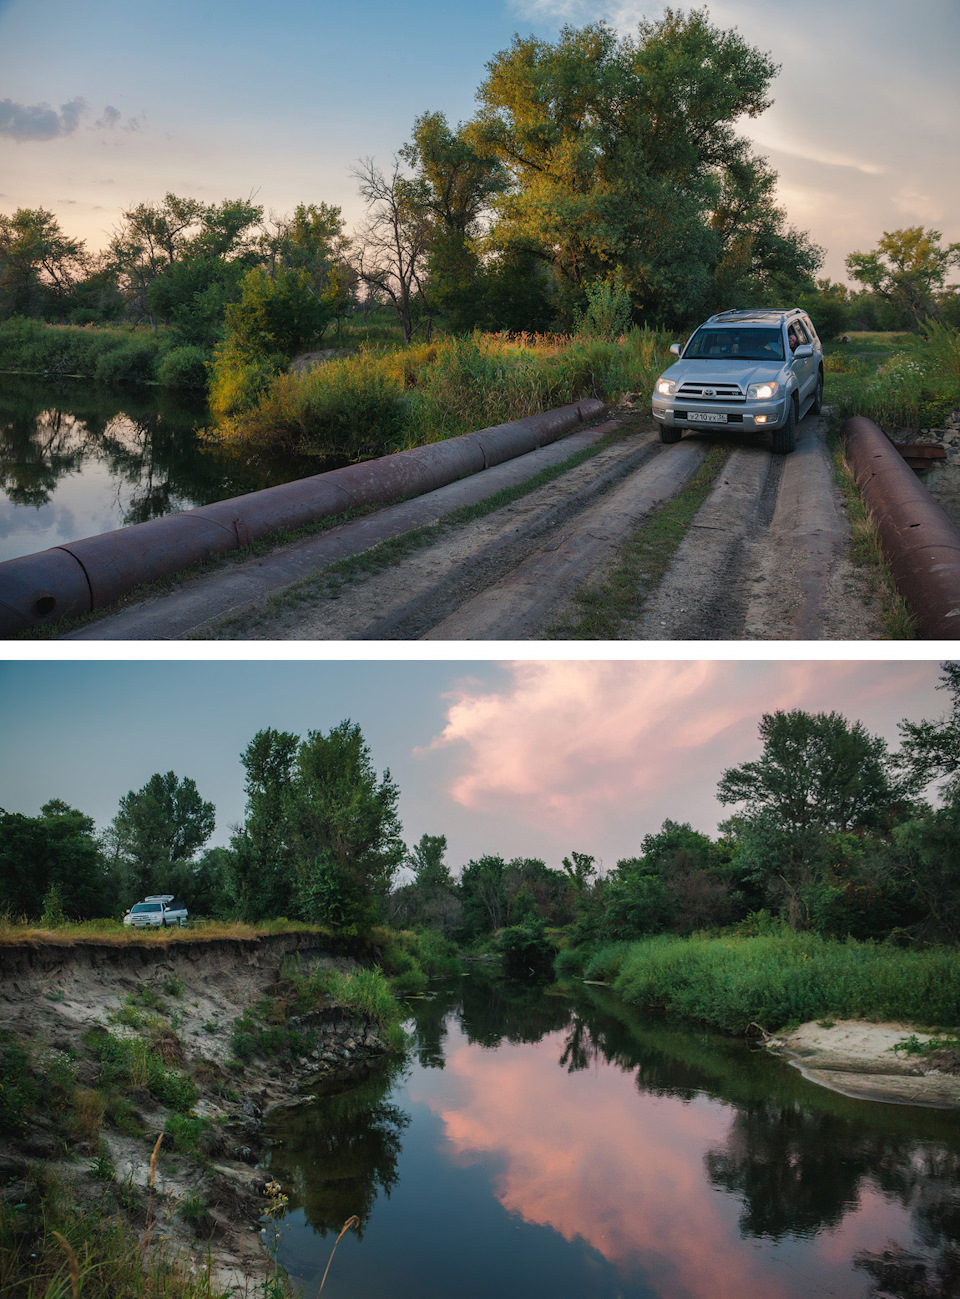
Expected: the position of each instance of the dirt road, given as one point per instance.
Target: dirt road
(764, 557)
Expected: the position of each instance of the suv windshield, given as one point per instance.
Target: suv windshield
(715, 343)
(143, 907)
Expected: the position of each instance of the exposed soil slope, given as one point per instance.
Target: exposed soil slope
(52, 995)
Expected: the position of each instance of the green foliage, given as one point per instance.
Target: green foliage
(111, 356)
(526, 952)
(608, 309)
(39, 264)
(127, 1063)
(621, 155)
(908, 269)
(183, 368)
(276, 315)
(19, 1093)
(55, 851)
(733, 983)
(158, 831)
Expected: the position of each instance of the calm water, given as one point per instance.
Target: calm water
(76, 461)
(536, 1147)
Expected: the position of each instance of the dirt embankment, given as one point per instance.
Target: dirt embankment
(188, 993)
(859, 1059)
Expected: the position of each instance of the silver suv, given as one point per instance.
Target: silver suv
(757, 371)
(160, 909)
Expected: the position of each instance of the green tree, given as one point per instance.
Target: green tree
(261, 871)
(818, 776)
(931, 750)
(39, 264)
(158, 831)
(622, 155)
(56, 850)
(456, 184)
(907, 269)
(484, 896)
(344, 829)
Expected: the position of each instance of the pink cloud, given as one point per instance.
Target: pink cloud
(568, 743)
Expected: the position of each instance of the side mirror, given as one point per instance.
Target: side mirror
(803, 350)
(674, 349)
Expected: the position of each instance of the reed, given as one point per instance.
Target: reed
(733, 982)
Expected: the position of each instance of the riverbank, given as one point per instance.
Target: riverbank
(135, 1081)
(861, 1059)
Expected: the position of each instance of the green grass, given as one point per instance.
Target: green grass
(900, 381)
(770, 981)
(602, 612)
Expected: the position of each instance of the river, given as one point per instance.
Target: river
(77, 460)
(539, 1144)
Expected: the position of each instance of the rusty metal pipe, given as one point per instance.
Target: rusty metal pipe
(921, 542)
(69, 580)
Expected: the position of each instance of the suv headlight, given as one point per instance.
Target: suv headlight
(666, 387)
(761, 391)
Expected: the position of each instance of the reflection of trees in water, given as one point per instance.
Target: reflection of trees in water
(36, 453)
(337, 1155)
(927, 1182)
(897, 1273)
(496, 1010)
(149, 443)
(799, 1172)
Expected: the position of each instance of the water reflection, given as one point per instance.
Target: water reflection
(76, 461)
(613, 1155)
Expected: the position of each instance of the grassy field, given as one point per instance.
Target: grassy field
(901, 381)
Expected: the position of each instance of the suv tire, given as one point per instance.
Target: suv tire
(670, 435)
(817, 406)
(785, 437)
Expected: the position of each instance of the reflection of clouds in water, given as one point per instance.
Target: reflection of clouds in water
(588, 1156)
(16, 518)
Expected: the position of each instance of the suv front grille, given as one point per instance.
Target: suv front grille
(710, 392)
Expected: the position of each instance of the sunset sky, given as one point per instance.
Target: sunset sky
(107, 104)
(521, 758)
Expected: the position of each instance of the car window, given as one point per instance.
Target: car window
(801, 333)
(143, 907)
(711, 343)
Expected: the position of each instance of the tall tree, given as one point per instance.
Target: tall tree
(932, 749)
(261, 867)
(391, 248)
(344, 828)
(620, 151)
(818, 776)
(159, 829)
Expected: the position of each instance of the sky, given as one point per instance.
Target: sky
(528, 757)
(107, 104)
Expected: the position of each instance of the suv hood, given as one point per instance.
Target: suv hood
(742, 372)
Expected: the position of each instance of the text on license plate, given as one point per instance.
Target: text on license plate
(705, 417)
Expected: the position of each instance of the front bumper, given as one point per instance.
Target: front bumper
(754, 416)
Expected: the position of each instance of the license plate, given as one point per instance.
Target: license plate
(705, 417)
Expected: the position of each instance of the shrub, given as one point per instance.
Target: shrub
(132, 362)
(183, 368)
(526, 952)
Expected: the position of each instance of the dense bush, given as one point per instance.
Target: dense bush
(183, 368)
(110, 356)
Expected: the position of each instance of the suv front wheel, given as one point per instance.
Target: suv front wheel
(670, 435)
(785, 437)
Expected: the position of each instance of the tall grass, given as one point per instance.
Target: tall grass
(381, 401)
(911, 384)
(772, 981)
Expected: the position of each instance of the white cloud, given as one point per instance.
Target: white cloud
(23, 122)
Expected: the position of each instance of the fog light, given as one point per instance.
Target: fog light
(760, 419)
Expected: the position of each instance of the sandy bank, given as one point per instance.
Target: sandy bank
(858, 1059)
